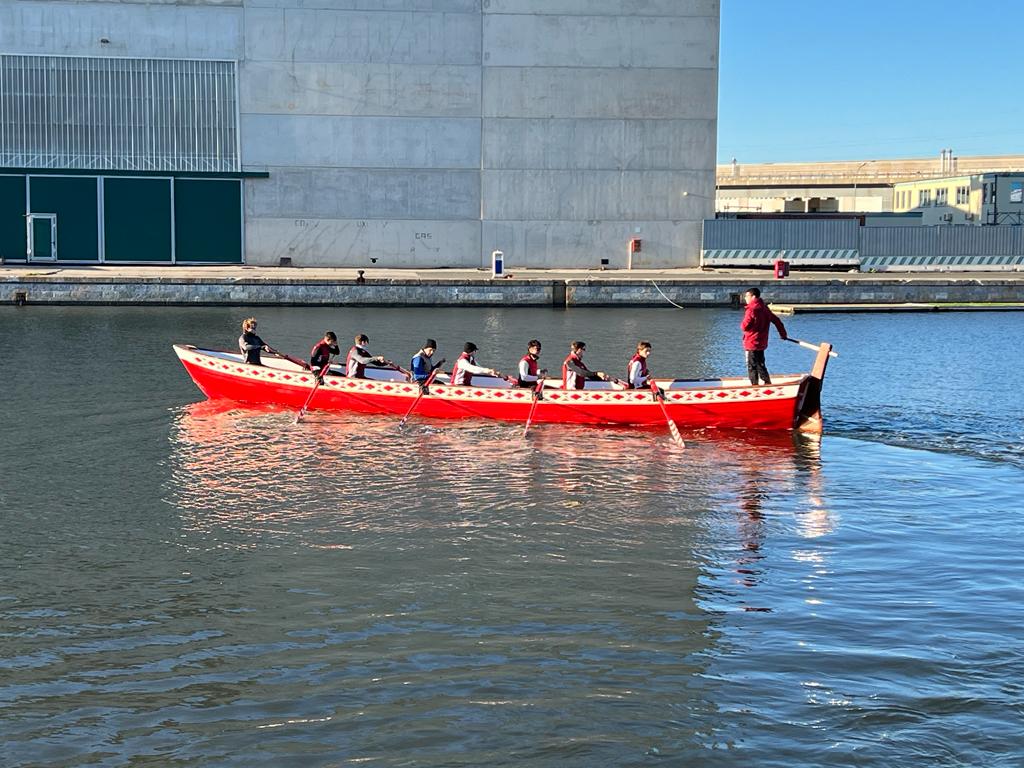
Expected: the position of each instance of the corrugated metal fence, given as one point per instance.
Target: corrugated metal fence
(841, 242)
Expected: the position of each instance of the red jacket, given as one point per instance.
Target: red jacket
(755, 324)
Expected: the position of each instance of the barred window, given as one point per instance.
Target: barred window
(96, 113)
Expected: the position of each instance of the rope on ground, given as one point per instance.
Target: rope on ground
(666, 297)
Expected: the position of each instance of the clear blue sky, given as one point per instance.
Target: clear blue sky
(863, 79)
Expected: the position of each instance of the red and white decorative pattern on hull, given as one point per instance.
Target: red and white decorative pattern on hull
(791, 402)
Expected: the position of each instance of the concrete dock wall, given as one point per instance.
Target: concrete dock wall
(719, 291)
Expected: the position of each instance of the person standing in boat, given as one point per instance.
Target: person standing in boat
(755, 325)
(529, 370)
(320, 355)
(466, 368)
(636, 370)
(249, 344)
(422, 365)
(575, 374)
(359, 359)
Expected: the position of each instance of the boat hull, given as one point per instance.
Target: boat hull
(691, 404)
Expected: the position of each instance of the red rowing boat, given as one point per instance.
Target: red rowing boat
(790, 402)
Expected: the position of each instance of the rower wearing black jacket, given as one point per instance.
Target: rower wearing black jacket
(320, 355)
(249, 344)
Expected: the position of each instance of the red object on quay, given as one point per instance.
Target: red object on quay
(790, 402)
(781, 269)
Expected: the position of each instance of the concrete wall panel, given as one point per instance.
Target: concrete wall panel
(587, 195)
(352, 243)
(399, 90)
(599, 41)
(582, 245)
(451, 6)
(549, 92)
(362, 37)
(162, 31)
(605, 7)
(364, 194)
(598, 144)
(361, 142)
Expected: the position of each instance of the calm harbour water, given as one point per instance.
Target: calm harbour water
(189, 583)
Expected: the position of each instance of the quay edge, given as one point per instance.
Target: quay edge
(539, 289)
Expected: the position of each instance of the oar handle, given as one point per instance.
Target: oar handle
(808, 345)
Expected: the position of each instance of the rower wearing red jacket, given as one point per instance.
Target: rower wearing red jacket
(465, 367)
(529, 367)
(575, 374)
(755, 324)
(636, 370)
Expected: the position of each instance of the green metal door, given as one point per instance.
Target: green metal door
(42, 237)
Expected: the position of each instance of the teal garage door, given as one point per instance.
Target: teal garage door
(208, 221)
(73, 199)
(12, 218)
(136, 219)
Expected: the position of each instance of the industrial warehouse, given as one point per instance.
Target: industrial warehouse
(398, 134)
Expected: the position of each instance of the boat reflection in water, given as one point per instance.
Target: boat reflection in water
(253, 471)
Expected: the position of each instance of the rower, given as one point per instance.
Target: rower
(320, 355)
(528, 370)
(421, 364)
(575, 374)
(465, 367)
(636, 369)
(359, 359)
(249, 344)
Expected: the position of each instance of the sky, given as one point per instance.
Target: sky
(817, 80)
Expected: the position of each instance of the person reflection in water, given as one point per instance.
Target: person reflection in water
(249, 344)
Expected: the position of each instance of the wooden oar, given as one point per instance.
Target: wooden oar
(536, 398)
(319, 378)
(808, 345)
(423, 391)
(303, 365)
(396, 367)
(672, 428)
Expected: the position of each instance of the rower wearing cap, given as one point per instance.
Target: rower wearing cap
(636, 369)
(421, 365)
(359, 359)
(465, 367)
(529, 373)
(575, 374)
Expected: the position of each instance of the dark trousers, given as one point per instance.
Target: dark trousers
(756, 368)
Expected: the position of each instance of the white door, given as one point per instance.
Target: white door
(42, 236)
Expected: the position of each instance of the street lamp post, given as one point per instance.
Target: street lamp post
(856, 175)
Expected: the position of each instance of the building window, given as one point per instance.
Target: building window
(924, 198)
(963, 195)
(97, 113)
(1017, 191)
(941, 196)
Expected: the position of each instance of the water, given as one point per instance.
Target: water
(189, 583)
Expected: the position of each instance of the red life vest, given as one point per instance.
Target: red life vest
(532, 369)
(460, 376)
(643, 369)
(570, 379)
(353, 368)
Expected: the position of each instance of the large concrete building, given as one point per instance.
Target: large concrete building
(402, 133)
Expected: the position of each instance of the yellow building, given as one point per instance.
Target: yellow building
(972, 199)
